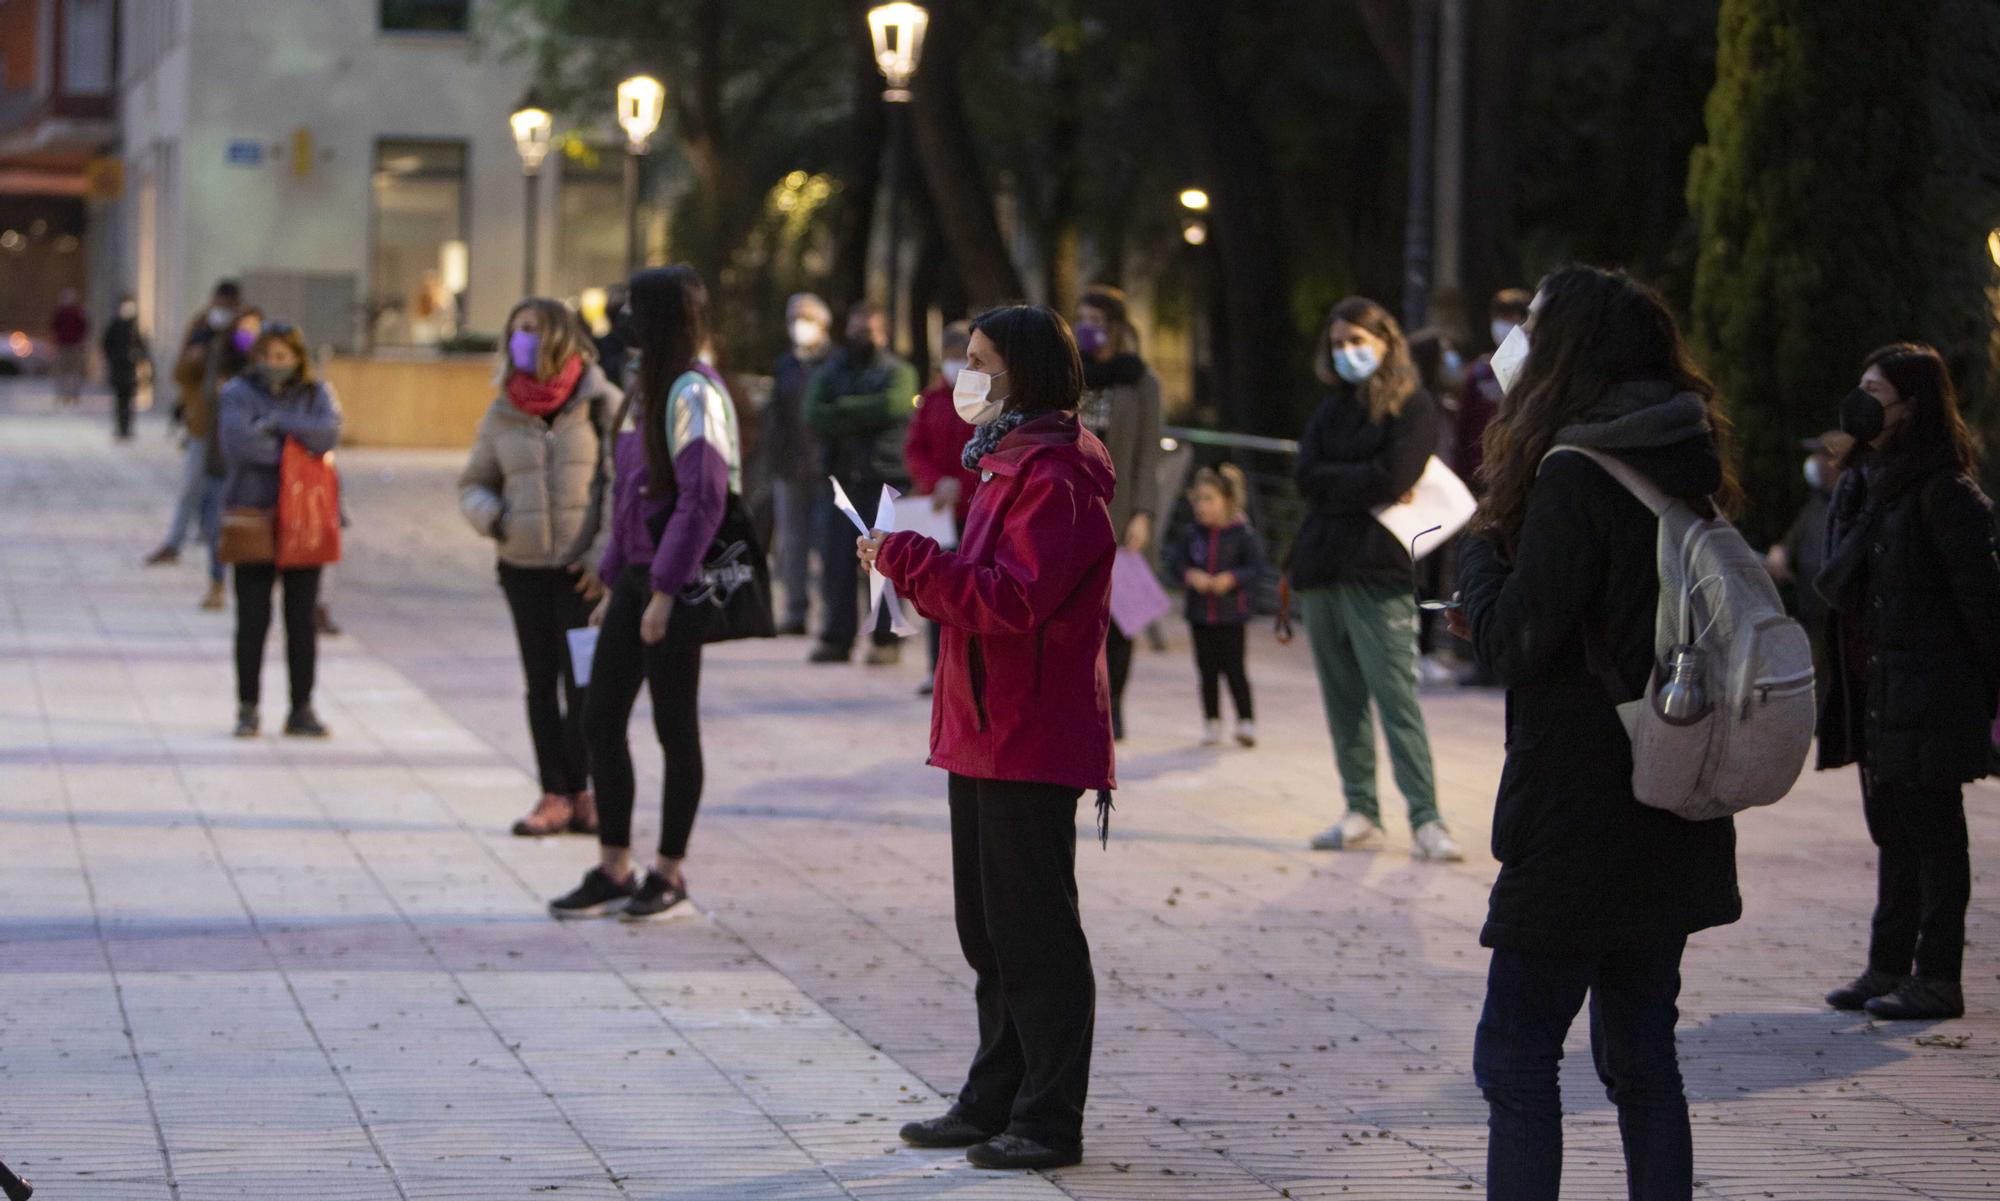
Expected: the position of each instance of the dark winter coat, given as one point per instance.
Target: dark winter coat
(1235, 549)
(1348, 468)
(124, 350)
(1584, 867)
(1915, 630)
(252, 429)
(860, 410)
(789, 445)
(1023, 605)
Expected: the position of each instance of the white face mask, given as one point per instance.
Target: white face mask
(1510, 358)
(1356, 363)
(1815, 474)
(218, 317)
(1500, 330)
(970, 396)
(807, 333)
(950, 369)
(129, 309)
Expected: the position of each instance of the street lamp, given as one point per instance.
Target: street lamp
(1194, 200)
(641, 102)
(1194, 231)
(532, 127)
(897, 31)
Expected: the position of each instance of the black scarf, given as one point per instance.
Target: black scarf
(1874, 483)
(1111, 372)
(986, 437)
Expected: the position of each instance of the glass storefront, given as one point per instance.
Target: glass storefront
(418, 264)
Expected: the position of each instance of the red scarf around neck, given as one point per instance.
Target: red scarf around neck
(540, 398)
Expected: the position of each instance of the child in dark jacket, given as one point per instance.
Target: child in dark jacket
(1221, 560)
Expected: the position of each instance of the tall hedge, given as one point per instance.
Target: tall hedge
(1843, 200)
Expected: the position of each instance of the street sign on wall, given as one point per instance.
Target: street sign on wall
(245, 152)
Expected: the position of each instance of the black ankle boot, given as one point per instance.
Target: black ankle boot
(1865, 988)
(1920, 1000)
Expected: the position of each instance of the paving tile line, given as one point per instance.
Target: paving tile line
(249, 912)
(103, 948)
(293, 765)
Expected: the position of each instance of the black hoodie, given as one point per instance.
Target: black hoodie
(1584, 867)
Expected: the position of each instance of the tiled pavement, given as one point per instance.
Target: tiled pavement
(275, 970)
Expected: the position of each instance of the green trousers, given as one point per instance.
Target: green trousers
(1364, 644)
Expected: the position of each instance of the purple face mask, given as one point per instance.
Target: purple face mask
(244, 338)
(524, 349)
(1090, 339)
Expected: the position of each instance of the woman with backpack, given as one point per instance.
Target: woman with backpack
(1022, 721)
(674, 475)
(535, 485)
(1914, 588)
(1597, 893)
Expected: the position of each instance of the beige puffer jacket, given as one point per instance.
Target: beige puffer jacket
(541, 489)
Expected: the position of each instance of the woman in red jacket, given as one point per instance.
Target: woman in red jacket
(1022, 721)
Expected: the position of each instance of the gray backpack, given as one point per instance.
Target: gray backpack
(1729, 713)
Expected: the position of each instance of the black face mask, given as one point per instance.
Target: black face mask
(860, 349)
(1862, 417)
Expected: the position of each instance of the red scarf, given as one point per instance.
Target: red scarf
(541, 398)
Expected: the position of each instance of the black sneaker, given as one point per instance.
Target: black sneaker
(247, 722)
(1920, 1000)
(1012, 1153)
(826, 652)
(1865, 988)
(598, 896)
(655, 898)
(304, 723)
(954, 1129)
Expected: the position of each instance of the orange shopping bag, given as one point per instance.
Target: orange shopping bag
(308, 508)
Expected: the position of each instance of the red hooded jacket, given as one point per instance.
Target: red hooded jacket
(1022, 692)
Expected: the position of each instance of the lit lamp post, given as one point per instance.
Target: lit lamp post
(1194, 231)
(897, 31)
(641, 101)
(532, 127)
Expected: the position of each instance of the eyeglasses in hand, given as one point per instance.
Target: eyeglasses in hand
(1416, 582)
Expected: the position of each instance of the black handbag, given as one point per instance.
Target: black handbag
(732, 590)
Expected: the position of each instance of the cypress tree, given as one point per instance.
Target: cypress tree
(1842, 203)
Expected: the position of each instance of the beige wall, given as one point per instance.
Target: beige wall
(412, 402)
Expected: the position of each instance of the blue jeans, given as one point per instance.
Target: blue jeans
(1531, 1000)
(200, 500)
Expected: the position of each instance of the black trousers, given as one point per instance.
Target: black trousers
(254, 582)
(546, 606)
(122, 394)
(1013, 877)
(671, 671)
(1118, 664)
(1923, 878)
(1218, 655)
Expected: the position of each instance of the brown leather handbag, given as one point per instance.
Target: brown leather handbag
(248, 535)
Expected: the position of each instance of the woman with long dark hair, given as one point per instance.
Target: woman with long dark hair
(1597, 893)
(674, 477)
(1022, 721)
(1913, 583)
(1364, 448)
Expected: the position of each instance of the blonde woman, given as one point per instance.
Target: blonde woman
(535, 485)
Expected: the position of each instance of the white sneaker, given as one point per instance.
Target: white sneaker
(1246, 733)
(1435, 843)
(1211, 732)
(1347, 834)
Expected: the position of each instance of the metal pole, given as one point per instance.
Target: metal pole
(533, 210)
(893, 171)
(1416, 227)
(632, 248)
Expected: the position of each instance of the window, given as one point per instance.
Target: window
(425, 16)
(417, 257)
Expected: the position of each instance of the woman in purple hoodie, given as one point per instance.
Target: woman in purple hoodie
(674, 476)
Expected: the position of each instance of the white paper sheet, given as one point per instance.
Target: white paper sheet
(915, 515)
(1440, 500)
(846, 506)
(582, 649)
(880, 590)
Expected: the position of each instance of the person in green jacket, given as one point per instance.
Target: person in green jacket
(859, 404)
